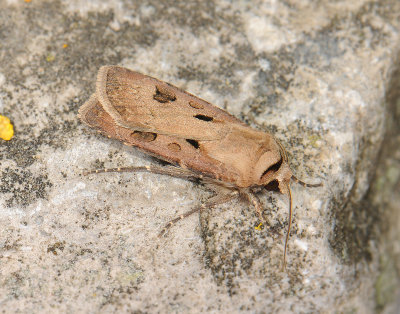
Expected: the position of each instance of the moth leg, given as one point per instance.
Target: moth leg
(169, 170)
(308, 185)
(217, 200)
(255, 201)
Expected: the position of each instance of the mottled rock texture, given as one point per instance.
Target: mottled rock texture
(321, 75)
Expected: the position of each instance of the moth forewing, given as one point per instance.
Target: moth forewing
(143, 103)
(205, 141)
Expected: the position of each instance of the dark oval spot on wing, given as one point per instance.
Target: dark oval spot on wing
(195, 105)
(203, 117)
(174, 147)
(144, 136)
(194, 143)
(164, 94)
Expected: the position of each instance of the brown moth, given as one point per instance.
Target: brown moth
(206, 142)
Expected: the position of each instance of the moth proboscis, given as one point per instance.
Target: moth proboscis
(206, 142)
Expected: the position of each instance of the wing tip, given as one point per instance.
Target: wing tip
(86, 107)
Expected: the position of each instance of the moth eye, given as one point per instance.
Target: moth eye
(272, 186)
(203, 117)
(195, 105)
(273, 168)
(174, 147)
(194, 143)
(144, 136)
(164, 94)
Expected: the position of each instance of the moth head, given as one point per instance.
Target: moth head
(273, 172)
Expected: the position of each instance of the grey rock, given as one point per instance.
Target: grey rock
(319, 75)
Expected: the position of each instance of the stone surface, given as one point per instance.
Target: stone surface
(319, 75)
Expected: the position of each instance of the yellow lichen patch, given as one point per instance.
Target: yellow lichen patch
(6, 128)
(259, 227)
(50, 57)
(315, 140)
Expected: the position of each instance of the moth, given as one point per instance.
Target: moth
(199, 141)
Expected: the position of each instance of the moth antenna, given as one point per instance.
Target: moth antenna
(282, 150)
(308, 185)
(289, 226)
